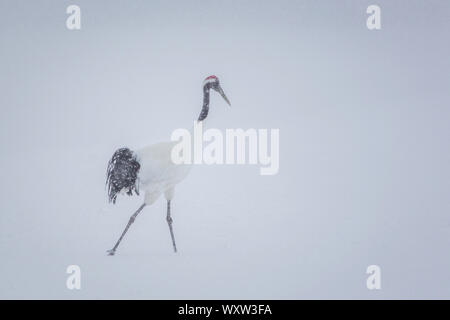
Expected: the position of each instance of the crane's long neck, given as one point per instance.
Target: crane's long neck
(205, 108)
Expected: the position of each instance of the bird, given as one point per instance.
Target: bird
(152, 170)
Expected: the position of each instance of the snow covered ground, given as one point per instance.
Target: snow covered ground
(364, 128)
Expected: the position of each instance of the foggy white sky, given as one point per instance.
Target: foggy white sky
(364, 127)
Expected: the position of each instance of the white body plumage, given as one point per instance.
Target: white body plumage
(158, 174)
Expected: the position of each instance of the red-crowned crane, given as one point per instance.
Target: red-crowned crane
(151, 169)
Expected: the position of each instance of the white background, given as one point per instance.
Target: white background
(364, 154)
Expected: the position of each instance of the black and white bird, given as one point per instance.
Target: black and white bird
(151, 169)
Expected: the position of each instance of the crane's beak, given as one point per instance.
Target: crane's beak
(220, 90)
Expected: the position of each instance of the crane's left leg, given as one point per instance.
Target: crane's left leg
(130, 222)
(169, 195)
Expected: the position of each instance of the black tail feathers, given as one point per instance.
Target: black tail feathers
(122, 173)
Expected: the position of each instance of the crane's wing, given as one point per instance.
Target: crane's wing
(122, 174)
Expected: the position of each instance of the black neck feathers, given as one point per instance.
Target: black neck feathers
(205, 108)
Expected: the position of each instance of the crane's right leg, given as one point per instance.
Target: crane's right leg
(169, 196)
(132, 218)
(169, 222)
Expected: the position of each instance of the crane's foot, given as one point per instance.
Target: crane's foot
(111, 252)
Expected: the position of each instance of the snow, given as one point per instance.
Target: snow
(364, 176)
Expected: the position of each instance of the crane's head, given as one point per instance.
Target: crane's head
(212, 82)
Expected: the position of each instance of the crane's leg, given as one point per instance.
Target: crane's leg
(130, 222)
(169, 222)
